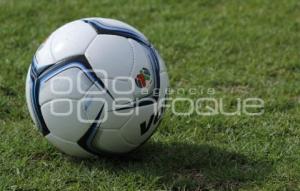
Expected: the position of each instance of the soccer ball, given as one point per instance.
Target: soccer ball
(96, 86)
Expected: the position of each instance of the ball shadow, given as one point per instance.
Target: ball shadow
(188, 166)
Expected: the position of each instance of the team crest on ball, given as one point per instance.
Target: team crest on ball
(143, 79)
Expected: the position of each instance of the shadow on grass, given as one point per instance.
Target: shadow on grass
(181, 166)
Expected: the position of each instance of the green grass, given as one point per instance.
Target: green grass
(239, 48)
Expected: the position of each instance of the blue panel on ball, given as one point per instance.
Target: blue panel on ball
(34, 96)
(39, 79)
(102, 28)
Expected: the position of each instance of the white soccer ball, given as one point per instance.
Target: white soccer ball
(96, 86)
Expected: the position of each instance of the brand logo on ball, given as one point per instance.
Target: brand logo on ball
(143, 79)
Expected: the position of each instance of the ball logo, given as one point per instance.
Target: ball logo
(143, 79)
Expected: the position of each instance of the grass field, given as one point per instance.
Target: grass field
(241, 49)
